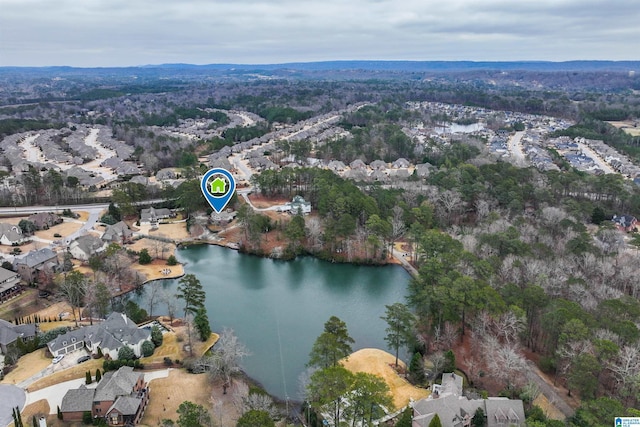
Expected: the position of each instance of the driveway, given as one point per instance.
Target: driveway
(10, 397)
(55, 393)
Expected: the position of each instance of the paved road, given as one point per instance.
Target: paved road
(94, 216)
(515, 148)
(10, 397)
(26, 210)
(553, 395)
(399, 255)
(596, 158)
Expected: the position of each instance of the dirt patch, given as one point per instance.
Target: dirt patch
(548, 408)
(262, 202)
(158, 269)
(378, 362)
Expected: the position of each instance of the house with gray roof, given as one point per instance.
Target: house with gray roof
(456, 410)
(358, 164)
(401, 163)
(378, 165)
(336, 166)
(11, 234)
(139, 179)
(30, 265)
(84, 247)
(115, 332)
(44, 220)
(117, 233)
(9, 334)
(164, 174)
(424, 169)
(120, 398)
(76, 402)
(9, 284)
(152, 216)
(298, 205)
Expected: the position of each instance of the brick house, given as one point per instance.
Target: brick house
(120, 398)
(29, 266)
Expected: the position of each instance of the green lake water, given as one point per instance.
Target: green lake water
(278, 308)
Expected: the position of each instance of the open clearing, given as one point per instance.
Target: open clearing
(378, 362)
(168, 393)
(628, 126)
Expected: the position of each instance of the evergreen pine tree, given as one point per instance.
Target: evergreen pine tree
(435, 422)
(98, 375)
(88, 378)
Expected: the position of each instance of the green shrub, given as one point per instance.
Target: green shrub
(172, 260)
(156, 336)
(147, 348)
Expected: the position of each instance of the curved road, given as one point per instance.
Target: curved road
(10, 397)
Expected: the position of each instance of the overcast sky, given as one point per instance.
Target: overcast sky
(139, 32)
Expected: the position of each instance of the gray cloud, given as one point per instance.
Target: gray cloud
(136, 32)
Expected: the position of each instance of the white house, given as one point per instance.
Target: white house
(11, 234)
(111, 335)
(298, 205)
(84, 247)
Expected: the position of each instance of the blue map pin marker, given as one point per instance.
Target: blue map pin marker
(218, 186)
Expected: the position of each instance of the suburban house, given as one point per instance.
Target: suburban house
(30, 265)
(297, 205)
(152, 216)
(115, 332)
(9, 284)
(164, 174)
(11, 234)
(121, 398)
(9, 334)
(625, 223)
(84, 247)
(456, 410)
(44, 220)
(117, 233)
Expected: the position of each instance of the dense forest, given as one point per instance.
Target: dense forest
(515, 264)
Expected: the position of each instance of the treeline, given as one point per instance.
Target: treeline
(11, 126)
(182, 113)
(508, 259)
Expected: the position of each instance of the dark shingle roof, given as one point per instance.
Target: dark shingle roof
(35, 258)
(126, 405)
(118, 383)
(77, 400)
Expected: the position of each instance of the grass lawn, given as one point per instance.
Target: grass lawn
(168, 393)
(378, 362)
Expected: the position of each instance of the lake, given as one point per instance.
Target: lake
(278, 308)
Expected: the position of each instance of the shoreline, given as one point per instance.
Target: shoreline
(390, 262)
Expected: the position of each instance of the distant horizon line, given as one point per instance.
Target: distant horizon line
(332, 61)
